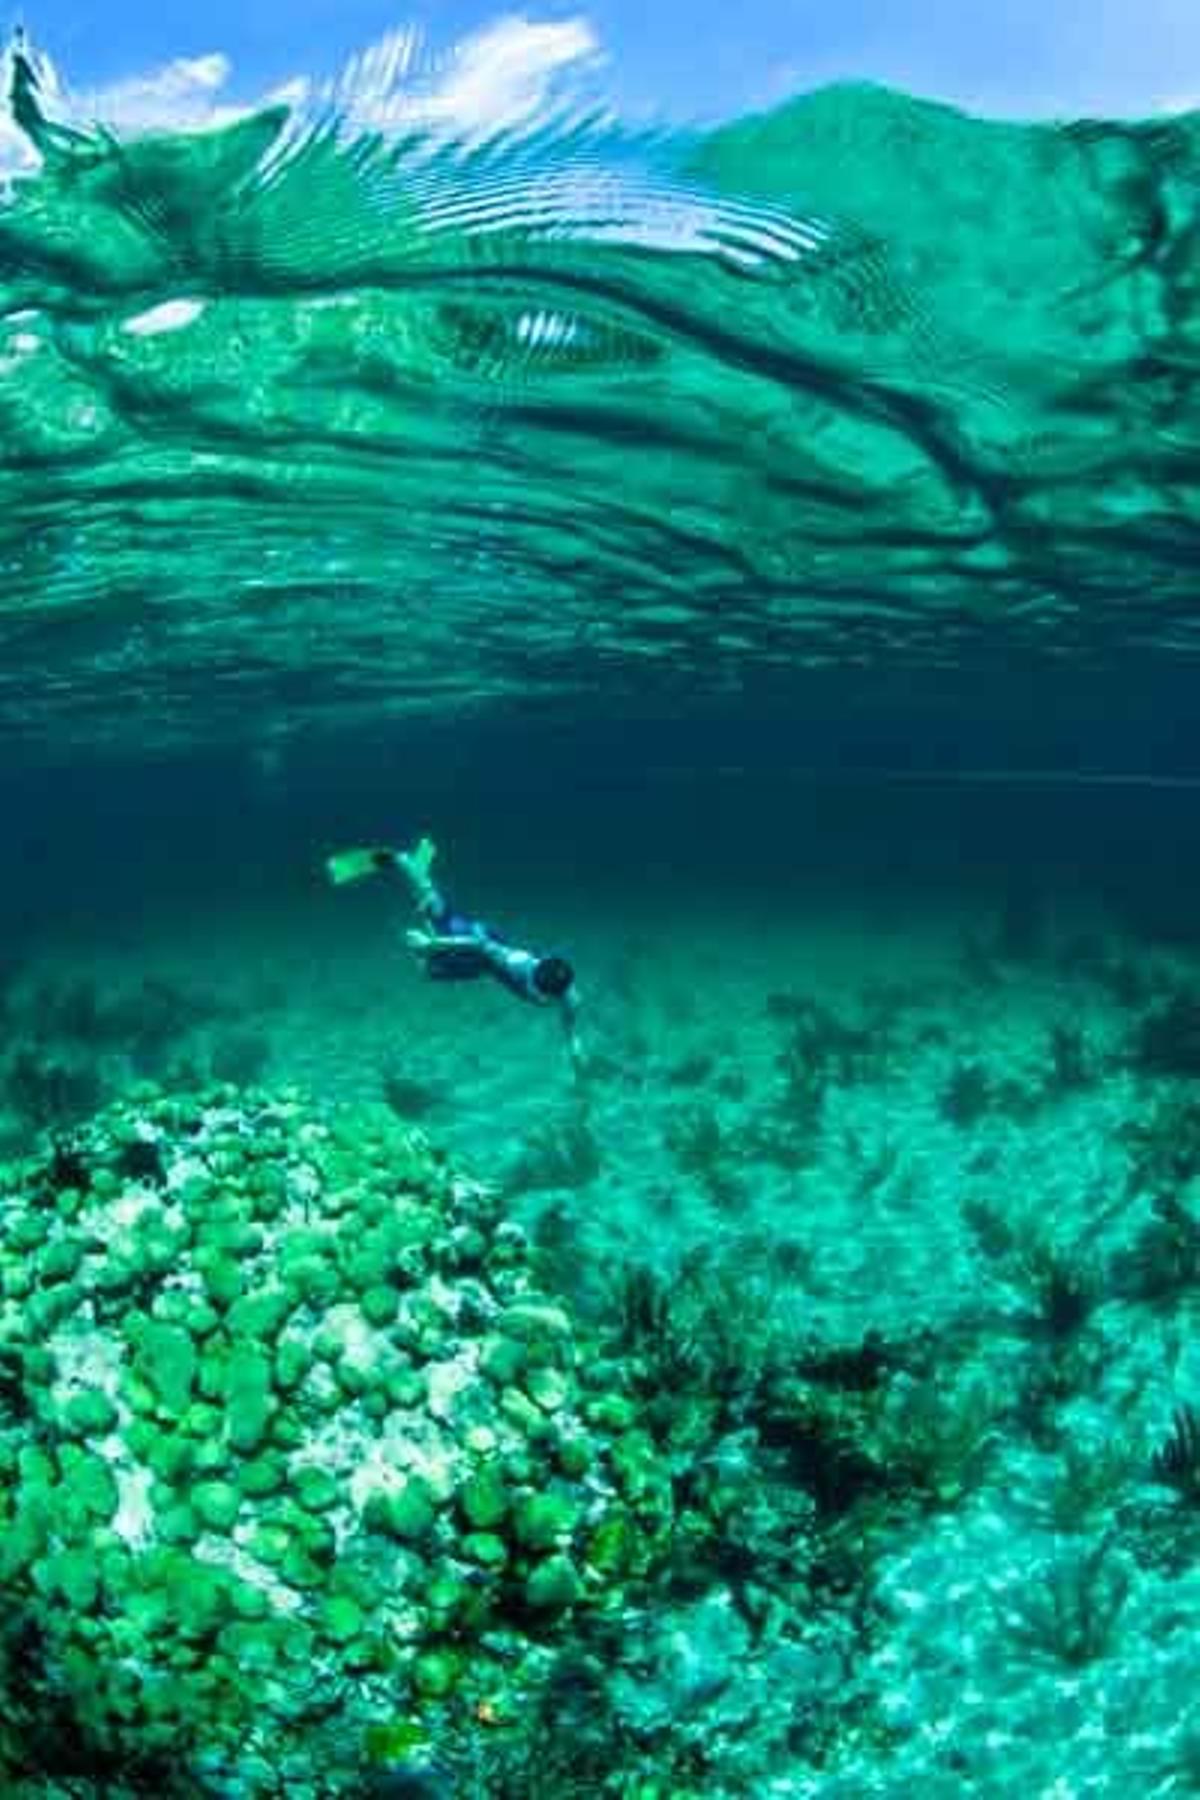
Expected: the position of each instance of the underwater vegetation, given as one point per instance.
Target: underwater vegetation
(1176, 1463)
(1070, 1611)
(1167, 1041)
(285, 1401)
(329, 1469)
(810, 1413)
(320, 1473)
(301, 1469)
(73, 1042)
(820, 1048)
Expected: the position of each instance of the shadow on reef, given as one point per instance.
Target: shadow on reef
(49, 1745)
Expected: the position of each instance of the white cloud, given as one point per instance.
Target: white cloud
(515, 75)
(182, 94)
(17, 154)
(1180, 103)
(507, 73)
(499, 77)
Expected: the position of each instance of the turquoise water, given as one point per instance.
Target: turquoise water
(761, 559)
(567, 416)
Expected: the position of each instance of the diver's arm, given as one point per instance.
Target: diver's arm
(568, 1012)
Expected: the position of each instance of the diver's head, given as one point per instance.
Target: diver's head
(552, 977)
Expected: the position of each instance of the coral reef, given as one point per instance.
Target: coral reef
(786, 1385)
(308, 1483)
(291, 1444)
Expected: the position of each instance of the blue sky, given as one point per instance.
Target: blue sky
(1016, 57)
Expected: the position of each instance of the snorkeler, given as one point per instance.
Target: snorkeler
(454, 947)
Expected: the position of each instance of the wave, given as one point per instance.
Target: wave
(512, 396)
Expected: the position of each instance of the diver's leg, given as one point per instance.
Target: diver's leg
(416, 865)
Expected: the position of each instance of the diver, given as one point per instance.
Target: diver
(454, 947)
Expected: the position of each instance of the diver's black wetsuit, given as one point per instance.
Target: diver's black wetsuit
(478, 950)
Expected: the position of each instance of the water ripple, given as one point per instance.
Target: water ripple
(437, 384)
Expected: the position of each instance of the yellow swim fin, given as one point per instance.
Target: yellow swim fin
(352, 865)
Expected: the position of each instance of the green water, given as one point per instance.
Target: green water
(763, 559)
(583, 418)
